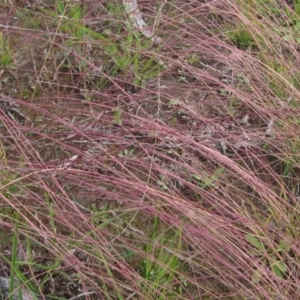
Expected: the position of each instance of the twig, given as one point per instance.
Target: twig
(132, 9)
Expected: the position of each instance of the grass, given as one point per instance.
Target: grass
(138, 169)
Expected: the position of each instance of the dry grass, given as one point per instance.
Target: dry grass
(135, 170)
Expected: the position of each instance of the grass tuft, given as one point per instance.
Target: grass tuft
(162, 167)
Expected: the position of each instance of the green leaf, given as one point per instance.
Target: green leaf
(174, 102)
(279, 264)
(283, 246)
(218, 172)
(197, 177)
(255, 242)
(276, 271)
(207, 182)
(118, 116)
(282, 266)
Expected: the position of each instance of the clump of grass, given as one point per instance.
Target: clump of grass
(150, 171)
(5, 53)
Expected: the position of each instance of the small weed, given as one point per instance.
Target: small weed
(242, 38)
(206, 181)
(6, 54)
(118, 116)
(17, 279)
(278, 267)
(30, 19)
(163, 264)
(163, 182)
(127, 153)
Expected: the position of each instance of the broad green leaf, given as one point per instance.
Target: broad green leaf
(283, 246)
(279, 264)
(197, 177)
(255, 242)
(282, 266)
(276, 271)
